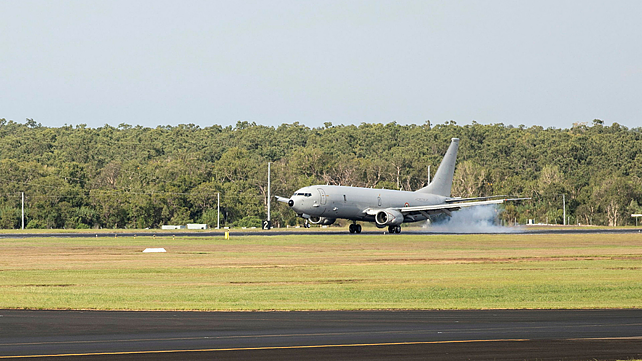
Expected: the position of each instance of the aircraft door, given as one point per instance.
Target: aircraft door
(322, 196)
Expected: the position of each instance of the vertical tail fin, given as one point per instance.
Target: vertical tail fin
(443, 181)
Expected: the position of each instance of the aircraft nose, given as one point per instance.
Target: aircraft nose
(291, 203)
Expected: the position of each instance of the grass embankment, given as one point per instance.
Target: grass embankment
(324, 272)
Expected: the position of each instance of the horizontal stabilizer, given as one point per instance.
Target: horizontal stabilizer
(457, 199)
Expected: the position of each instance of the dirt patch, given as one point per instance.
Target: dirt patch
(39, 285)
(493, 260)
(319, 282)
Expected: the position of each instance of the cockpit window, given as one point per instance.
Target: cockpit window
(302, 194)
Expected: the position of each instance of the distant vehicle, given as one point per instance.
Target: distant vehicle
(323, 204)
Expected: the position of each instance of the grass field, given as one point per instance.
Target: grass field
(324, 272)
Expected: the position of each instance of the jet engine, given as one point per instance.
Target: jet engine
(388, 217)
(322, 220)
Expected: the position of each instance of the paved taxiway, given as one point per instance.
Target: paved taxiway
(329, 335)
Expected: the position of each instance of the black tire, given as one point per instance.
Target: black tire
(351, 228)
(357, 228)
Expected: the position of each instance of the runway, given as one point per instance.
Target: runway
(282, 232)
(330, 335)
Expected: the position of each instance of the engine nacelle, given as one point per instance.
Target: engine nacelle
(388, 217)
(322, 220)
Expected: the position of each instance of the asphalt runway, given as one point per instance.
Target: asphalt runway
(329, 335)
(281, 232)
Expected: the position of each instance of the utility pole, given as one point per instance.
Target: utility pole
(564, 205)
(23, 210)
(269, 195)
(428, 175)
(218, 210)
(268, 223)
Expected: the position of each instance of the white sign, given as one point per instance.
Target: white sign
(153, 250)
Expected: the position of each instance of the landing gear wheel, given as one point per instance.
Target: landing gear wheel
(352, 228)
(357, 228)
(394, 229)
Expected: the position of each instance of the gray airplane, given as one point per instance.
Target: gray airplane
(323, 204)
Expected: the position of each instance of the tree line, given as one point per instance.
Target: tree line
(139, 177)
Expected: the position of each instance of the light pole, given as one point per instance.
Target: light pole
(23, 210)
(564, 206)
(268, 223)
(269, 195)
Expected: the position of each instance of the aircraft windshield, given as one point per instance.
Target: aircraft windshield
(302, 194)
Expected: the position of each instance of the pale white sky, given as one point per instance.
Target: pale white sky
(150, 63)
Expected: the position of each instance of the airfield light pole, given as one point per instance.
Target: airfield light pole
(428, 175)
(218, 210)
(23, 210)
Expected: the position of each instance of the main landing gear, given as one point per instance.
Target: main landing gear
(355, 228)
(394, 229)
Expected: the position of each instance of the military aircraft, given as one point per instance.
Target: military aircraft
(323, 204)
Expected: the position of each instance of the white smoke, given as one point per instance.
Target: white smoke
(478, 219)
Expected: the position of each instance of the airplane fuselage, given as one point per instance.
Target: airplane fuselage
(351, 202)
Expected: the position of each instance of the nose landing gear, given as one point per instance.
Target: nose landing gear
(355, 228)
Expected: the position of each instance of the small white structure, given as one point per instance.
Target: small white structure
(154, 250)
(196, 226)
(172, 227)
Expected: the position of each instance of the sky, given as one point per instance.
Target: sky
(150, 63)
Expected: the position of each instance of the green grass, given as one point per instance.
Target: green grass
(324, 272)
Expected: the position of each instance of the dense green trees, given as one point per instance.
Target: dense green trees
(136, 177)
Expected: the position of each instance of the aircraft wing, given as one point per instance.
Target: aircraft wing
(445, 207)
(282, 199)
(449, 206)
